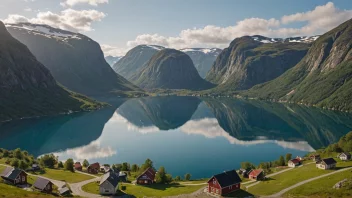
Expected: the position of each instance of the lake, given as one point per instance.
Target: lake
(185, 134)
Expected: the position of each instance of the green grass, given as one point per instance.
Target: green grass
(323, 187)
(2, 168)
(92, 187)
(63, 175)
(160, 190)
(8, 191)
(239, 193)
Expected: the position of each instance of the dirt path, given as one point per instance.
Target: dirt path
(77, 188)
(279, 194)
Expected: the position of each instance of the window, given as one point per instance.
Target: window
(214, 181)
(23, 178)
(230, 187)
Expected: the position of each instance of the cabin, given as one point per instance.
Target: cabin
(93, 168)
(14, 176)
(300, 158)
(78, 166)
(257, 174)
(224, 183)
(109, 183)
(344, 156)
(315, 157)
(326, 164)
(122, 176)
(244, 172)
(147, 177)
(293, 163)
(64, 191)
(43, 185)
(104, 169)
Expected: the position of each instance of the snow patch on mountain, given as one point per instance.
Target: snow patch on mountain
(202, 50)
(301, 39)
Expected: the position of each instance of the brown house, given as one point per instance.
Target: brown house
(93, 168)
(257, 174)
(43, 185)
(14, 176)
(147, 177)
(315, 157)
(78, 166)
(224, 183)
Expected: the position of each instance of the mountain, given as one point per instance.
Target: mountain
(76, 61)
(251, 60)
(203, 58)
(170, 69)
(323, 77)
(133, 61)
(112, 59)
(27, 88)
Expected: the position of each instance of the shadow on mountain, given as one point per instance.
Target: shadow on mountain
(52, 134)
(163, 112)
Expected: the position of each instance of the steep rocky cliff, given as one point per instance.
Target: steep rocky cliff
(76, 61)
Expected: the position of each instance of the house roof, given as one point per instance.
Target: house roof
(345, 153)
(256, 172)
(315, 155)
(78, 165)
(111, 177)
(63, 190)
(150, 173)
(95, 165)
(295, 161)
(327, 161)
(11, 173)
(227, 178)
(41, 183)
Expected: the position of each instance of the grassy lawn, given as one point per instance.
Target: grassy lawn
(8, 191)
(160, 190)
(2, 168)
(239, 193)
(286, 179)
(63, 175)
(322, 187)
(92, 187)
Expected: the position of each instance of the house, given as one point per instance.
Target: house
(78, 166)
(300, 158)
(294, 162)
(257, 174)
(64, 191)
(147, 177)
(244, 172)
(104, 169)
(328, 163)
(109, 183)
(224, 183)
(122, 176)
(344, 156)
(35, 167)
(14, 176)
(43, 185)
(93, 168)
(315, 157)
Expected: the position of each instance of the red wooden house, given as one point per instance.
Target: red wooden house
(14, 176)
(78, 166)
(147, 177)
(257, 174)
(224, 183)
(93, 168)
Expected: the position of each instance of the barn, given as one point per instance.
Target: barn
(147, 177)
(224, 183)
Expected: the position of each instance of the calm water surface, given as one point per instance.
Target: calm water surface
(184, 134)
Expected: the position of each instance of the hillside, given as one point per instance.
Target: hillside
(170, 69)
(112, 60)
(203, 58)
(27, 88)
(251, 60)
(133, 61)
(322, 77)
(76, 61)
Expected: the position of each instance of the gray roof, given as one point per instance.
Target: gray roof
(41, 183)
(64, 190)
(347, 154)
(228, 178)
(327, 161)
(111, 177)
(11, 173)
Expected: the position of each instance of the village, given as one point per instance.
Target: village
(105, 180)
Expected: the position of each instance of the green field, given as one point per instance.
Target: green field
(92, 187)
(323, 187)
(160, 190)
(63, 175)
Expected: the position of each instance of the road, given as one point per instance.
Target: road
(77, 188)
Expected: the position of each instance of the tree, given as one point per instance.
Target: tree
(168, 178)
(288, 157)
(60, 164)
(22, 165)
(160, 177)
(134, 168)
(177, 178)
(345, 142)
(333, 148)
(247, 165)
(15, 163)
(147, 164)
(125, 166)
(281, 161)
(48, 161)
(69, 165)
(85, 163)
(188, 177)
(5, 153)
(17, 153)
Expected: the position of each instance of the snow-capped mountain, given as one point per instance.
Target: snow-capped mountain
(301, 39)
(203, 58)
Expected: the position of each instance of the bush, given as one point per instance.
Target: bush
(48, 161)
(188, 177)
(15, 163)
(69, 165)
(60, 164)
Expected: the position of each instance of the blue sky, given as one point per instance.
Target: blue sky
(119, 25)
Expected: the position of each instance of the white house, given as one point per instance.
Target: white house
(293, 163)
(109, 183)
(344, 156)
(326, 164)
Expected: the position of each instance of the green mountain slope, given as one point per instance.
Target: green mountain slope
(27, 88)
(322, 77)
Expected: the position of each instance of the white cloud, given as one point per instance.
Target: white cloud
(70, 3)
(113, 51)
(69, 19)
(320, 20)
(28, 9)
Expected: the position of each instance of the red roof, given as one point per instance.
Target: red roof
(295, 161)
(255, 172)
(150, 173)
(78, 165)
(94, 166)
